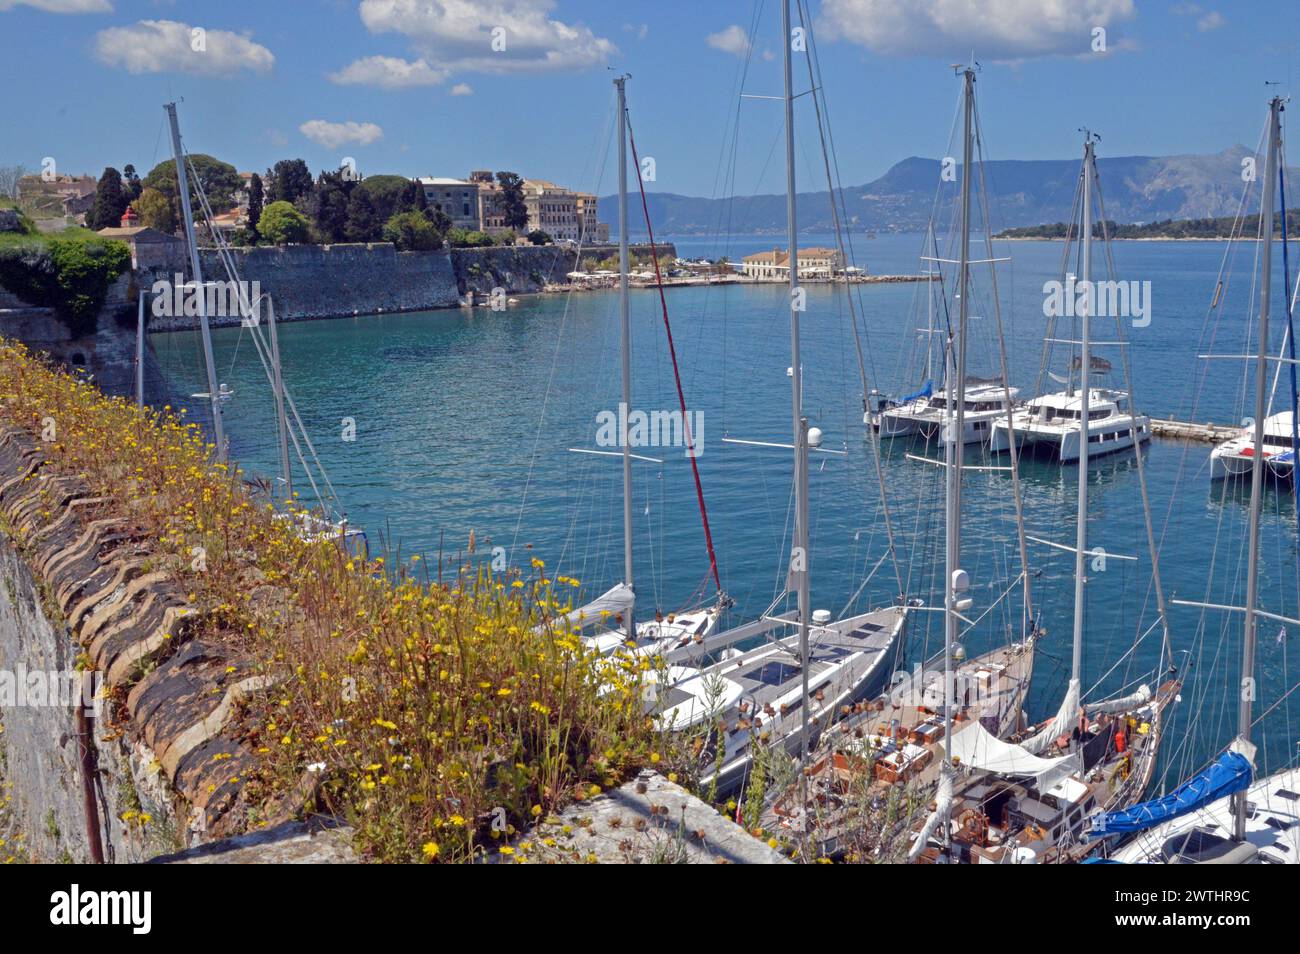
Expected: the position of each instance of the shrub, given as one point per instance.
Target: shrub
(418, 711)
(539, 237)
(461, 238)
(412, 232)
(69, 273)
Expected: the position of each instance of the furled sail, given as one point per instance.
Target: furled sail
(1123, 703)
(1230, 773)
(942, 809)
(1062, 723)
(976, 747)
(617, 599)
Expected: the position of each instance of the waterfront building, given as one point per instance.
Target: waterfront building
(590, 229)
(814, 263)
(458, 199)
(553, 209)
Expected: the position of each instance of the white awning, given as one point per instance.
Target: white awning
(978, 748)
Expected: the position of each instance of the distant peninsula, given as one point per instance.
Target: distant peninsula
(1222, 228)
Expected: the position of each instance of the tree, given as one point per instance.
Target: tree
(155, 211)
(513, 206)
(9, 176)
(255, 202)
(327, 206)
(131, 184)
(110, 201)
(220, 182)
(388, 194)
(289, 181)
(412, 232)
(282, 224)
(363, 223)
(538, 237)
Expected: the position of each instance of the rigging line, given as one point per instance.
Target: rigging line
(1290, 330)
(873, 438)
(555, 358)
(1006, 385)
(1156, 580)
(677, 376)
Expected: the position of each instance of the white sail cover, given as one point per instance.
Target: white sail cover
(942, 809)
(617, 599)
(1062, 723)
(978, 748)
(1133, 700)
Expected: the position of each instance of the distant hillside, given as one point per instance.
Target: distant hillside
(1137, 189)
(1221, 227)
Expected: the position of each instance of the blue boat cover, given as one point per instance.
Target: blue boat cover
(1230, 773)
(925, 392)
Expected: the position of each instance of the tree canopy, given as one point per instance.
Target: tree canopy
(283, 224)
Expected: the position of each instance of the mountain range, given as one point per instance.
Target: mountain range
(1136, 189)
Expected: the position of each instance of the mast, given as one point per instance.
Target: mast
(1085, 395)
(799, 557)
(955, 372)
(281, 420)
(183, 195)
(139, 354)
(626, 323)
(1257, 461)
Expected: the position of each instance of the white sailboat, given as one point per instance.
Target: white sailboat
(1055, 422)
(618, 605)
(1235, 457)
(901, 736)
(784, 691)
(1030, 801)
(1221, 815)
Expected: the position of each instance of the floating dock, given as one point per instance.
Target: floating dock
(1189, 431)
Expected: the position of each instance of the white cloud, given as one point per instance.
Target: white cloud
(639, 30)
(462, 89)
(60, 6)
(733, 40)
(459, 34)
(389, 72)
(332, 135)
(1211, 21)
(993, 29)
(166, 46)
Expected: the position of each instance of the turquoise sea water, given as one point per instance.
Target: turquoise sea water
(464, 420)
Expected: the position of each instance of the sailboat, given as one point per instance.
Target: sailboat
(618, 604)
(1222, 814)
(924, 412)
(1030, 800)
(803, 667)
(899, 740)
(329, 523)
(1056, 422)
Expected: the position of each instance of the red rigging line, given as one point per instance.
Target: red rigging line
(672, 351)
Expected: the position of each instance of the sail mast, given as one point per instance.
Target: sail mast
(1085, 396)
(1257, 461)
(281, 419)
(954, 448)
(626, 323)
(183, 193)
(799, 556)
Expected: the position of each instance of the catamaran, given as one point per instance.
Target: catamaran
(923, 414)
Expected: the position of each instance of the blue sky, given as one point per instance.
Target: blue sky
(414, 87)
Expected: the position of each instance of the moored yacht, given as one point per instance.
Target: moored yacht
(1053, 423)
(1235, 457)
(923, 414)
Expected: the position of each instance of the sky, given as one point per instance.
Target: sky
(440, 87)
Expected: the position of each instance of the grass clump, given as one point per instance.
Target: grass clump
(437, 718)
